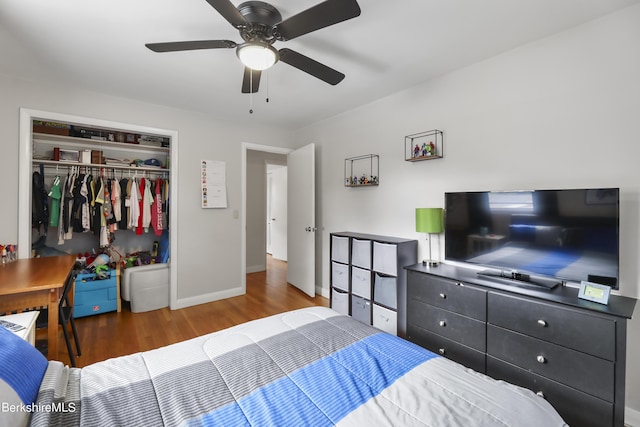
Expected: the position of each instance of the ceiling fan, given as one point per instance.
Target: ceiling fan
(260, 26)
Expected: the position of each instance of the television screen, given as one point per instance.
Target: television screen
(570, 235)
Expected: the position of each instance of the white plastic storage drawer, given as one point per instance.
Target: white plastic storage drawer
(340, 301)
(385, 257)
(361, 309)
(340, 249)
(361, 282)
(385, 291)
(361, 253)
(385, 319)
(340, 276)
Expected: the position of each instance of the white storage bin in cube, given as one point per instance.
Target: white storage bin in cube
(340, 301)
(340, 249)
(340, 276)
(385, 258)
(361, 309)
(361, 282)
(385, 291)
(361, 253)
(385, 319)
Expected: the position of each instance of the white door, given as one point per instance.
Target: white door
(301, 206)
(278, 211)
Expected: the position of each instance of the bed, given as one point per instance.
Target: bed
(311, 366)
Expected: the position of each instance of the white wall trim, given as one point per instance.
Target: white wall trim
(245, 146)
(206, 298)
(256, 268)
(24, 181)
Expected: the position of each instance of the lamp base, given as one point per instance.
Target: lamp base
(430, 262)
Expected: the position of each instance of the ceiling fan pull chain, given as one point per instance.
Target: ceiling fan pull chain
(267, 73)
(251, 92)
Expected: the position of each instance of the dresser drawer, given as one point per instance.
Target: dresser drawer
(584, 372)
(456, 327)
(575, 407)
(554, 323)
(455, 351)
(448, 294)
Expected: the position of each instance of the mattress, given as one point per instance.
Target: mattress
(311, 367)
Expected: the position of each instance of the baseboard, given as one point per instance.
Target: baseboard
(203, 299)
(631, 417)
(322, 291)
(256, 268)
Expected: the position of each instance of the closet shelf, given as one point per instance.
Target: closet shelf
(73, 142)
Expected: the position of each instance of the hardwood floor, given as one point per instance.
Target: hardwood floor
(116, 334)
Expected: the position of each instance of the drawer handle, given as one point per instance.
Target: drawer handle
(441, 351)
(443, 296)
(443, 323)
(541, 359)
(541, 394)
(542, 323)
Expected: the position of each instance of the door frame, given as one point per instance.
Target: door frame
(245, 146)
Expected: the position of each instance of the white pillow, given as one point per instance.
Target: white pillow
(22, 368)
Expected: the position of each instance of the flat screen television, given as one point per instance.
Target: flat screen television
(543, 237)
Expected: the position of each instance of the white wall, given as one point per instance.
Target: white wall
(209, 243)
(559, 113)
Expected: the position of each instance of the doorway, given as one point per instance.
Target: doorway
(301, 227)
(276, 218)
(263, 173)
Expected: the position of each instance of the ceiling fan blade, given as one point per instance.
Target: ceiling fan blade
(319, 16)
(310, 66)
(228, 12)
(251, 83)
(191, 45)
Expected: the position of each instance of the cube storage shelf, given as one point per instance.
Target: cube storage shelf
(367, 278)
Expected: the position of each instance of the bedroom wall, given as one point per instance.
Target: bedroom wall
(209, 244)
(558, 113)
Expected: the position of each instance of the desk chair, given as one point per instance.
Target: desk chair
(65, 317)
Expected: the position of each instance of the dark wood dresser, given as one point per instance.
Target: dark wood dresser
(570, 351)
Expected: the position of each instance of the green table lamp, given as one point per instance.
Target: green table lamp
(430, 221)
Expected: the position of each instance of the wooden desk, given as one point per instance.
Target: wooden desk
(36, 282)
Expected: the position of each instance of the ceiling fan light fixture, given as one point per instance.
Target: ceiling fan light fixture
(256, 55)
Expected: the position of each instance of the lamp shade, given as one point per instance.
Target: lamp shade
(429, 220)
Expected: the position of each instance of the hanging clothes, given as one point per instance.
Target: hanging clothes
(38, 213)
(156, 208)
(55, 194)
(147, 201)
(85, 212)
(115, 203)
(134, 204)
(124, 223)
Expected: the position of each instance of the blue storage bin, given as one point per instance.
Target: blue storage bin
(93, 296)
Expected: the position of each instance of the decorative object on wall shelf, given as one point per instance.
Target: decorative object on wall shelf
(427, 145)
(361, 171)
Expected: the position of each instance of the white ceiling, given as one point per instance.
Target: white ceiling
(393, 45)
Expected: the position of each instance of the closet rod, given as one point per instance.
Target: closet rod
(48, 163)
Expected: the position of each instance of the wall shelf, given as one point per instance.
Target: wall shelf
(427, 145)
(362, 171)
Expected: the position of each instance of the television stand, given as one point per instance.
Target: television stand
(519, 279)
